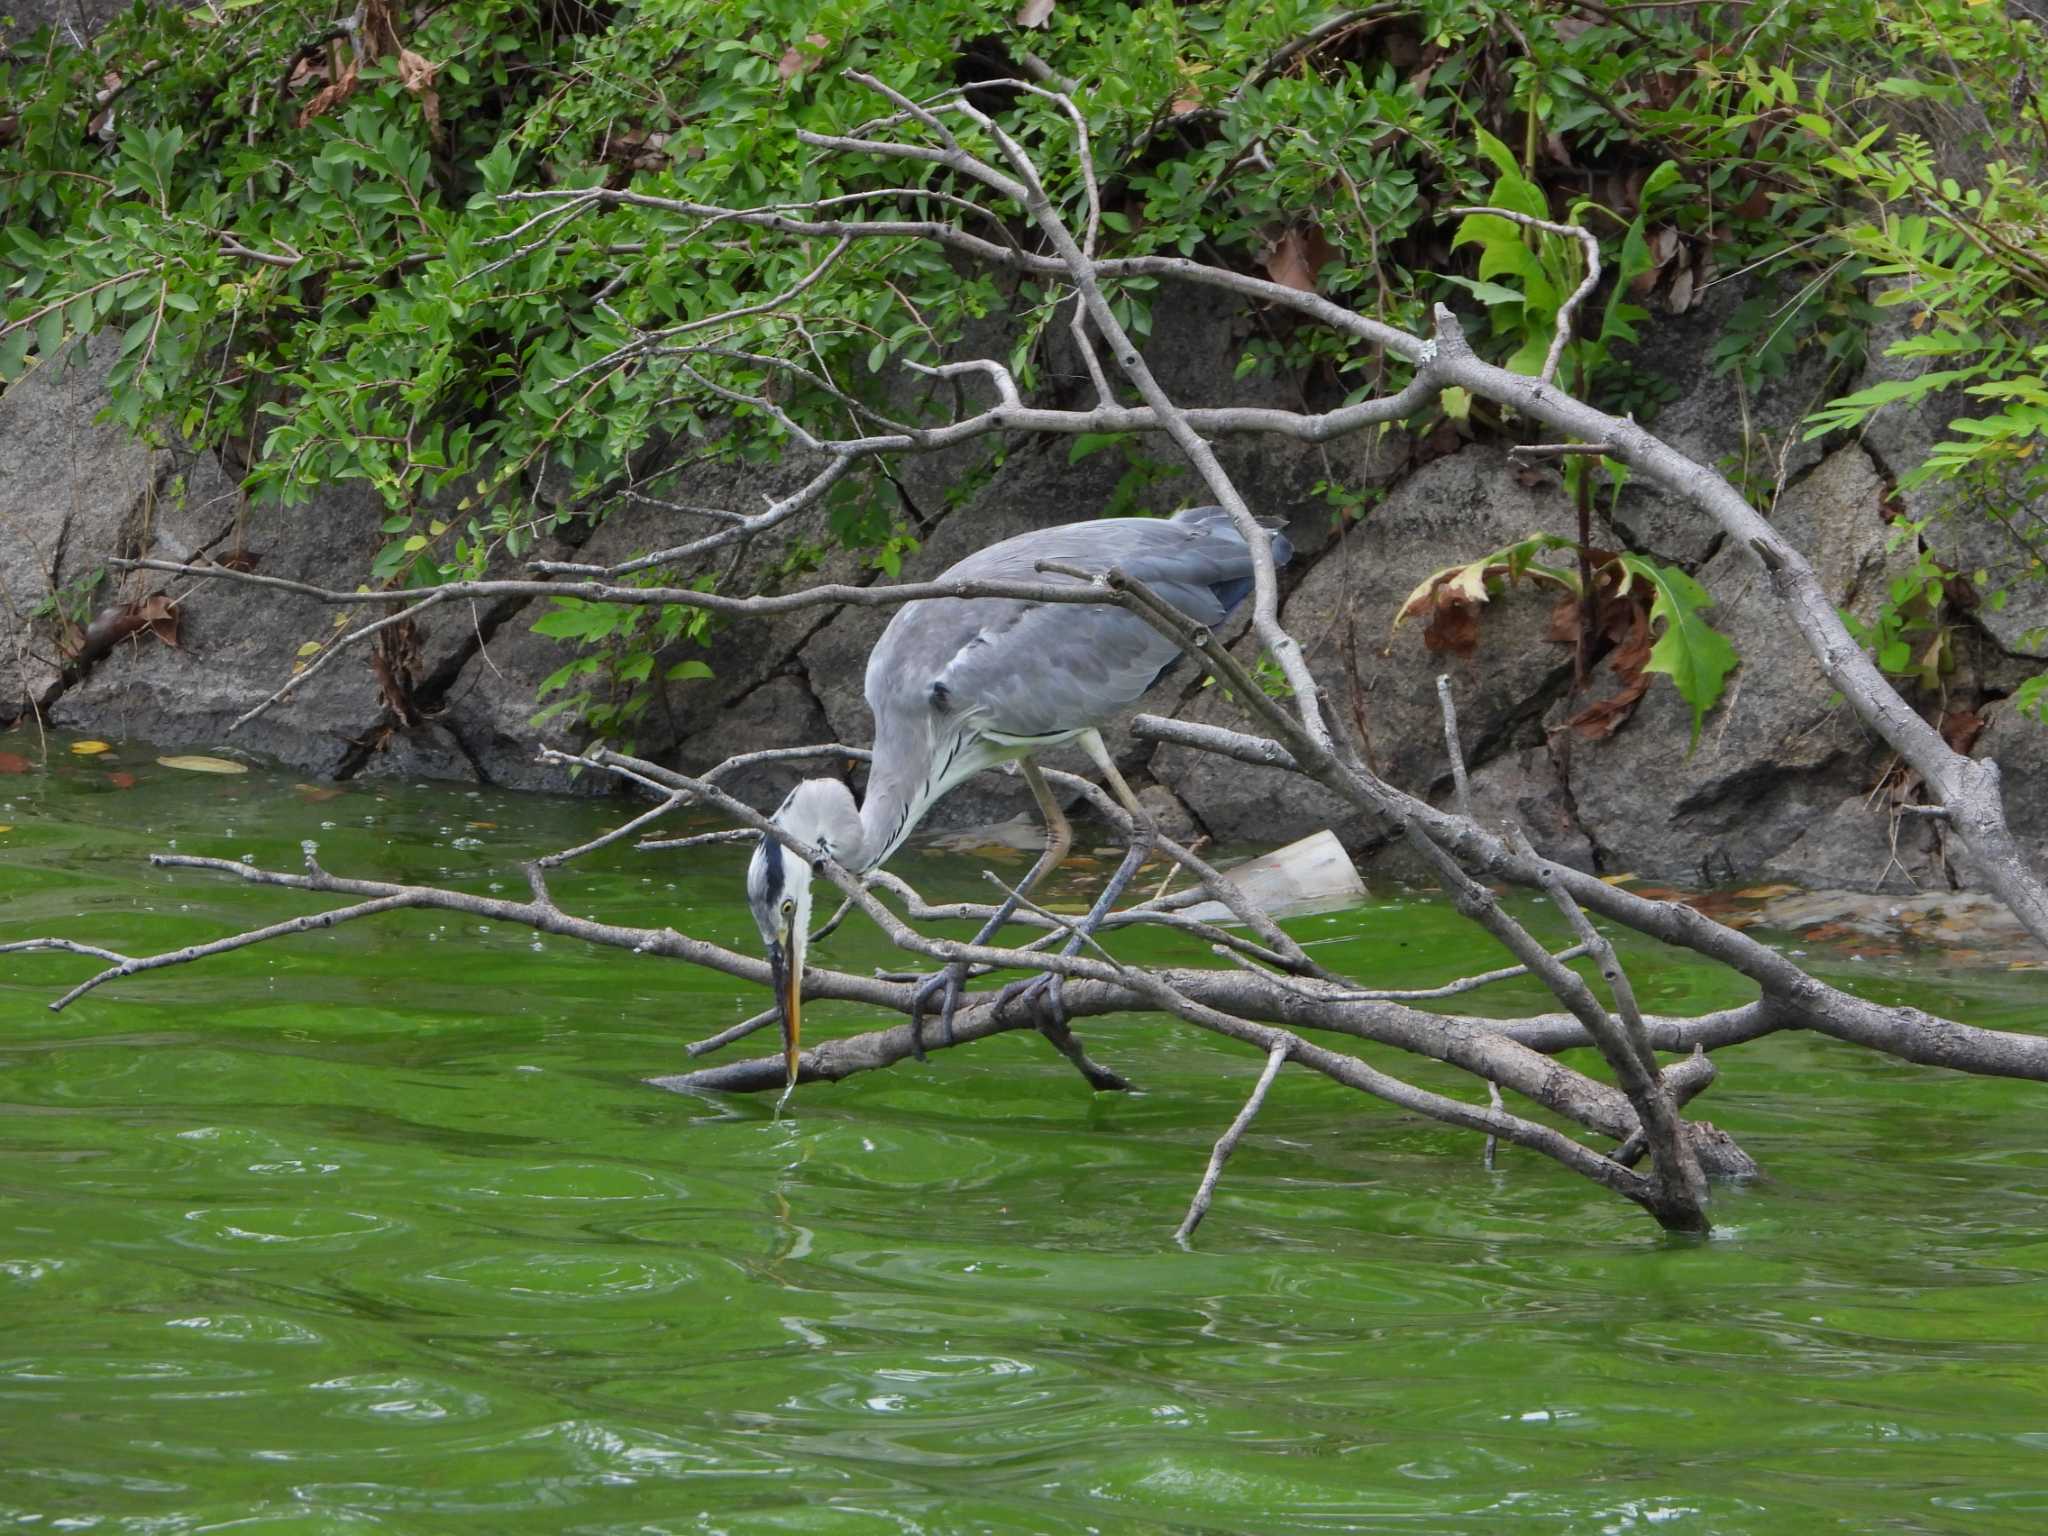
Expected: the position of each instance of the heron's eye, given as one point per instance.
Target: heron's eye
(789, 909)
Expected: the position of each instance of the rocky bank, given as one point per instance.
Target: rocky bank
(1784, 782)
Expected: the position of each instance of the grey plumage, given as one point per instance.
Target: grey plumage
(961, 684)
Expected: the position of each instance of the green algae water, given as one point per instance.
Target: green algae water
(379, 1229)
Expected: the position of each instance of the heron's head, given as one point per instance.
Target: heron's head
(819, 813)
(779, 892)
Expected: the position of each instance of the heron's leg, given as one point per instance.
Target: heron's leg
(1059, 838)
(1098, 750)
(1059, 832)
(1045, 987)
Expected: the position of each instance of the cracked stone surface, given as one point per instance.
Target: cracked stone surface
(1750, 442)
(74, 493)
(1997, 540)
(1526, 789)
(1778, 786)
(236, 649)
(1456, 507)
(1780, 754)
(73, 21)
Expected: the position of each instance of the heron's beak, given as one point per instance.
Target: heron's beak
(786, 969)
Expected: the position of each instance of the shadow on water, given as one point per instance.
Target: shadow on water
(381, 1229)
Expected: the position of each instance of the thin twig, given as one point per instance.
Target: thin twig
(1227, 1144)
(1591, 244)
(738, 1031)
(1462, 786)
(1452, 988)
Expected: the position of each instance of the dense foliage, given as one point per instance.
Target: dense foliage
(302, 235)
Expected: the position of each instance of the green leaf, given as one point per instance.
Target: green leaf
(1087, 443)
(574, 619)
(687, 671)
(2031, 697)
(1690, 651)
(1485, 292)
(582, 666)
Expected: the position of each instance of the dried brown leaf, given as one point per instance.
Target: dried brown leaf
(1603, 717)
(331, 95)
(416, 74)
(1755, 206)
(1960, 728)
(1453, 628)
(799, 57)
(1287, 262)
(160, 616)
(1680, 297)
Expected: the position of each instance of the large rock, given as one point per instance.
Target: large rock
(1858, 844)
(493, 704)
(72, 22)
(1993, 536)
(1525, 789)
(782, 712)
(2019, 745)
(1380, 686)
(1781, 753)
(1750, 441)
(71, 494)
(237, 646)
(1198, 339)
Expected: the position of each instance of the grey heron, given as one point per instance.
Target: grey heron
(957, 685)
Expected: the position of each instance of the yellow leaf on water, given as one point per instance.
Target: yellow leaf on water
(204, 764)
(90, 748)
(1618, 879)
(309, 647)
(6, 829)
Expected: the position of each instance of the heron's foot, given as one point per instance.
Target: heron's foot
(948, 985)
(1043, 994)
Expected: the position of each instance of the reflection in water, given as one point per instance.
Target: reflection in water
(381, 1230)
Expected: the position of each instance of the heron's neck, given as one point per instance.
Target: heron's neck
(911, 772)
(888, 815)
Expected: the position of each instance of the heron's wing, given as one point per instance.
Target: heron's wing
(1040, 669)
(1050, 669)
